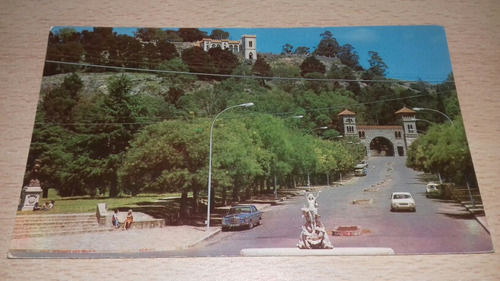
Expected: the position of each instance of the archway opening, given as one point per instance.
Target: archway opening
(381, 146)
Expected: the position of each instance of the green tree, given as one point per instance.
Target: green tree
(377, 66)
(64, 48)
(170, 156)
(99, 45)
(200, 102)
(150, 34)
(301, 51)
(311, 65)
(274, 149)
(128, 52)
(153, 54)
(191, 34)
(444, 150)
(274, 100)
(172, 36)
(68, 34)
(328, 46)
(316, 82)
(234, 160)
(349, 56)
(198, 61)
(339, 71)
(167, 50)
(219, 34)
(58, 103)
(224, 61)
(178, 83)
(261, 68)
(287, 49)
(285, 70)
(108, 123)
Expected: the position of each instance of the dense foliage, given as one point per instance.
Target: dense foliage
(444, 150)
(138, 133)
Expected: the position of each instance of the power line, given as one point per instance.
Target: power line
(234, 75)
(159, 119)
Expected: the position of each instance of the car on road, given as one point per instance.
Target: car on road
(433, 190)
(363, 164)
(402, 201)
(242, 216)
(360, 170)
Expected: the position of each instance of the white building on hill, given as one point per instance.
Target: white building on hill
(246, 46)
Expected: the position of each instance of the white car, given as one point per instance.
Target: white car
(433, 190)
(402, 201)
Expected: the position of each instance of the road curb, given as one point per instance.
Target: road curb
(210, 235)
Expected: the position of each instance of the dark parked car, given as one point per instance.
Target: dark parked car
(242, 216)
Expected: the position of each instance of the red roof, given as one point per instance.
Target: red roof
(405, 110)
(346, 112)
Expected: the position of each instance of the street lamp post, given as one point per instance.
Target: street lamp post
(434, 110)
(248, 104)
(449, 119)
(430, 109)
(320, 128)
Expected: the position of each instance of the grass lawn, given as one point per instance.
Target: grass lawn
(86, 204)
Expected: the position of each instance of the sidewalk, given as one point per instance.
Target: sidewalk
(167, 238)
(478, 213)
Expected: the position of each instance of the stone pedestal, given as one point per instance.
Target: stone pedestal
(102, 213)
(29, 196)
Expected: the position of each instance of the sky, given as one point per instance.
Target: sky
(411, 52)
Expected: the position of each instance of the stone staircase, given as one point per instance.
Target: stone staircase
(55, 224)
(474, 204)
(28, 226)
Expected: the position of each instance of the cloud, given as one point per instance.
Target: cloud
(360, 35)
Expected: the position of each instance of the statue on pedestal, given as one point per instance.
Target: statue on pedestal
(30, 194)
(34, 181)
(313, 235)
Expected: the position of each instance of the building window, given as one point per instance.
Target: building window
(361, 134)
(350, 129)
(349, 120)
(410, 129)
(397, 134)
(250, 44)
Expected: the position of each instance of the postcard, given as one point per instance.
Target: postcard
(206, 142)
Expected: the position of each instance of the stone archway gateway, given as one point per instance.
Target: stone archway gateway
(391, 140)
(381, 146)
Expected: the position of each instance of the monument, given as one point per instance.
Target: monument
(30, 195)
(313, 235)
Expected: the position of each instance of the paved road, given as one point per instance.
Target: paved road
(436, 226)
